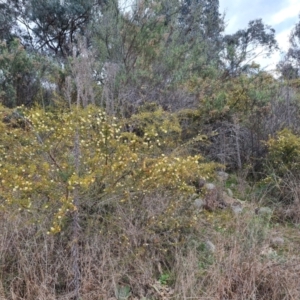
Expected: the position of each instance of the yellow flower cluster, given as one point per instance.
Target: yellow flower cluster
(65, 155)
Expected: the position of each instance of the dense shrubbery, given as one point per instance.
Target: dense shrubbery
(48, 157)
(284, 153)
(282, 173)
(111, 124)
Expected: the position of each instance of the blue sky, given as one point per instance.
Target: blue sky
(282, 15)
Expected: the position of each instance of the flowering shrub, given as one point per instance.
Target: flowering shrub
(49, 158)
(284, 152)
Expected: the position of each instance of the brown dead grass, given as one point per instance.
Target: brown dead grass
(244, 265)
(128, 250)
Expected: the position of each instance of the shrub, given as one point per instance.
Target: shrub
(284, 153)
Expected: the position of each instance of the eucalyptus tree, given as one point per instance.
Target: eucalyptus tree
(6, 20)
(289, 67)
(148, 51)
(52, 25)
(47, 25)
(242, 47)
(294, 50)
(202, 22)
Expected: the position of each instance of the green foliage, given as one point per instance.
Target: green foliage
(25, 78)
(123, 292)
(153, 55)
(242, 96)
(239, 48)
(282, 169)
(164, 278)
(289, 66)
(284, 152)
(17, 74)
(55, 23)
(121, 178)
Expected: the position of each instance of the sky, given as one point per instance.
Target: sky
(282, 15)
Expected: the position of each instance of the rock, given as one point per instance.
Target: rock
(237, 207)
(194, 196)
(264, 211)
(228, 199)
(277, 241)
(211, 198)
(267, 251)
(199, 203)
(235, 204)
(210, 246)
(209, 186)
(229, 192)
(201, 183)
(222, 176)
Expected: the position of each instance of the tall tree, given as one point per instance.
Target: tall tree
(19, 76)
(52, 25)
(9, 13)
(294, 50)
(242, 47)
(201, 21)
(289, 67)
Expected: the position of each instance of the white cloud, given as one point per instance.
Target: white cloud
(283, 38)
(269, 63)
(290, 11)
(280, 14)
(231, 26)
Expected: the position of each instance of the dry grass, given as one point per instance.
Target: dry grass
(127, 252)
(243, 267)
